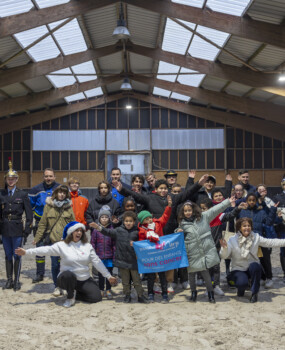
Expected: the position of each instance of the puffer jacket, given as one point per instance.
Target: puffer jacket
(54, 219)
(79, 206)
(200, 246)
(97, 203)
(104, 246)
(125, 256)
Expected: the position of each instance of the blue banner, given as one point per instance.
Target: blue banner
(168, 254)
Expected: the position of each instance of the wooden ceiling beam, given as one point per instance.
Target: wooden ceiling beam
(257, 126)
(262, 81)
(34, 70)
(18, 104)
(18, 23)
(24, 121)
(244, 27)
(266, 110)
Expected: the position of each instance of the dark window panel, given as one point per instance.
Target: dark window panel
(73, 121)
(210, 159)
(155, 160)
(144, 118)
(1, 168)
(73, 160)
(46, 125)
(201, 159)
(144, 104)
(55, 124)
(183, 160)
(82, 120)
(26, 139)
(37, 127)
(17, 161)
(277, 143)
(111, 119)
(248, 159)
(155, 118)
(6, 156)
(267, 154)
(239, 159)
(210, 124)
(101, 160)
(219, 125)
(133, 118)
(92, 160)
(25, 161)
(277, 159)
(220, 159)
(164, 118)
(248, 139)
(37, 161)
(230, 159)
(65, 122)
(192, 159)
(267, 142)
(83, 160)
(201, 123)
(123, 102)
(101, 119)
(91, 119)
(0, 143)
(230, 138)
(46, 160)
(191, 122)
(133, 102)
(8, 141)
(173, 160)
(64, 161)
(257, 141)
(122, 119)
(257, 159)
(239, 138)
(55, 160)
(173, 119)
(164, 159)
(112, 104)
(17, 140)
(182, 121)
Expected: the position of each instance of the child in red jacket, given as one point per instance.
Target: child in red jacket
(152, 229)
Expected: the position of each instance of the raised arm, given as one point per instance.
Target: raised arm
(139, 198)
(228, 186)
(52, 250)
(106, 231)
(213, 212)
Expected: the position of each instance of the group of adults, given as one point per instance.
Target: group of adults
(51, 209)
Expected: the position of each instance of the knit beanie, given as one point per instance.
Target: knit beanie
(143, 215)
(105, 210)
(71, 227)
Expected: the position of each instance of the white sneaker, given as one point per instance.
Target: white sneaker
(156, 289)
(199, 282)
(69, 302)
(57, 292)
(186, 285)
(218, 291)
(268, 284)
(174, 285)
(170, 288)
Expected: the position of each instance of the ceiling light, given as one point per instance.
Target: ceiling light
(126, 85)
(129, 106)
(121, 31)
(282, 77)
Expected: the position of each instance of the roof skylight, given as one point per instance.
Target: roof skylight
(47, 3)
(177, 96)
(14, 7)
(164, 67)
(62, 80)
(231, 7)
(161, 92)
(94, 92)
(75, 97)
(194, 3)
(190, 79)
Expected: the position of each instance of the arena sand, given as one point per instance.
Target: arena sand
(33, 319)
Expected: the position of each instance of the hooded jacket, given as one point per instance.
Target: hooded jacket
(104, 246)
(79, 205)
(97, 203)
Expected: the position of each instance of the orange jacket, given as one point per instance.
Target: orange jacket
(79, 205)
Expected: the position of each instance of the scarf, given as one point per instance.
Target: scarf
(60, 204)
(150, 234)
(245, 244)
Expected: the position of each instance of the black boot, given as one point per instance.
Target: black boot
(193, 297)
(211, 297)
(127, 298)
(9, 273)
(17, 271)
(253, 298)
(142, 299)
(38, 279)
(282, 261)
(240, 293)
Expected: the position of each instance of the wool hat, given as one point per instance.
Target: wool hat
(143, 215)
(71, 227)
(105, 210)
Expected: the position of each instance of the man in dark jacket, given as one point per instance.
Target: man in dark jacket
(116, 175)
(171, 178)
(243, 177)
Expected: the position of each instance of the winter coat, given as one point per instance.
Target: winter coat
(104, 246)
(79, 206)
(233, 251)
(97, 203)
(200, 246)
(159, 225)
(54, 220)
(280, 197)
(125, 256)
(249, 188)
(118, 196)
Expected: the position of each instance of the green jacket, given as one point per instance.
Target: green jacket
(54, 220)
(200, 247)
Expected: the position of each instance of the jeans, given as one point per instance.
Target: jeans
(241, 278)
(266, 263)
(102, 280)
(55, 268)
(10, 244)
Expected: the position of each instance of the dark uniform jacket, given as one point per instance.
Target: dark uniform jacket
(12, 209)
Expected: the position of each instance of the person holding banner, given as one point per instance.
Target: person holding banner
(200, 246)
(151, 229)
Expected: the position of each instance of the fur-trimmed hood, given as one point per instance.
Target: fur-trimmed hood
(51, 203)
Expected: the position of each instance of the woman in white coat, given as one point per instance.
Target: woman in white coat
(242, 249)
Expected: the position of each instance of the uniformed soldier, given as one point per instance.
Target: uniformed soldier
(13, 203)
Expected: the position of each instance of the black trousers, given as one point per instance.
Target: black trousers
(151, 279)
(266, 263)
(181, 274)
(102, 280)
(87, 290)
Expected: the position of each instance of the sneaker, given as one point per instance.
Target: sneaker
(58, 292)
(165, 299)
(218, 291)
(199, 282)
(109, 295)
(262, 282)
(151, 298)
(69, 302)
(127, 299)
(268, 284)
(156, 289)
(186, 285)
(170, 288)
